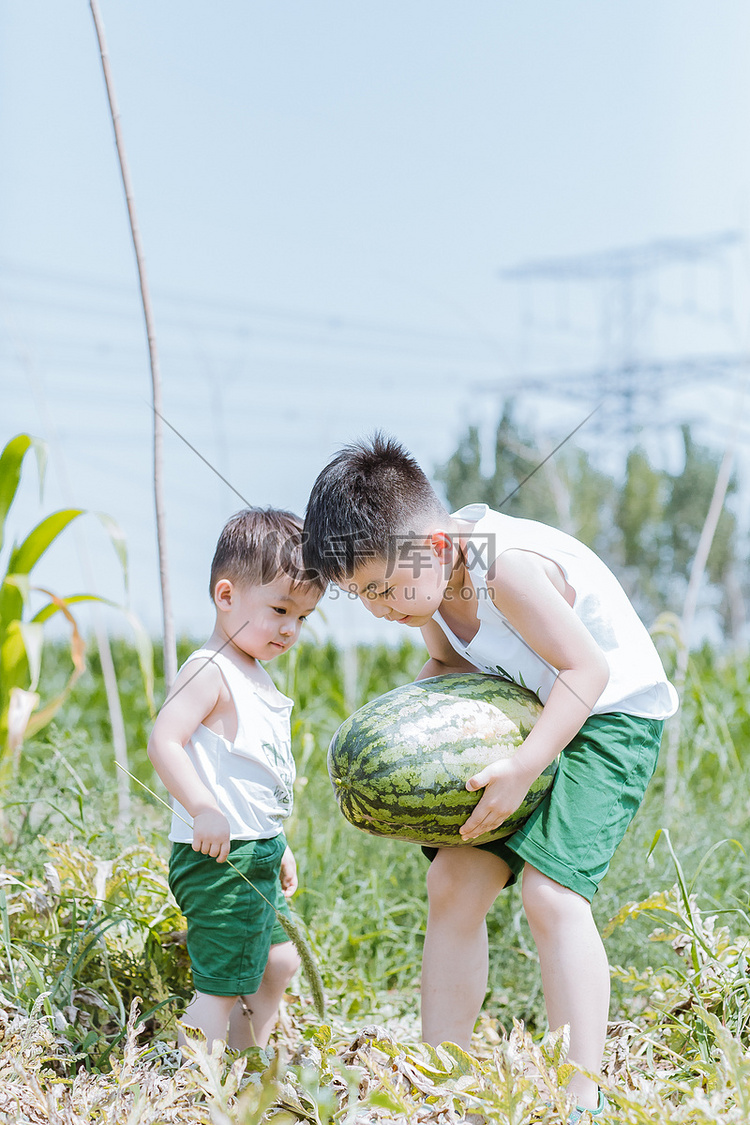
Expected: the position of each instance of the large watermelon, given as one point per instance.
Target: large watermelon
(400, 764)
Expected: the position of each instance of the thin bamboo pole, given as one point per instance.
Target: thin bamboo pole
(170, 647)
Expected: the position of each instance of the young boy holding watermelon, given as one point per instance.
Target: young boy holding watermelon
(222, 746)
(496, 594)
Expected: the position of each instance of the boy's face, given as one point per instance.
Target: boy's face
(264, 621)
(409, 588)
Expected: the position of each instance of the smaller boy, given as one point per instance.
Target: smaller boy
(222, 746)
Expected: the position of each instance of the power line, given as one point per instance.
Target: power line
(276, 323)
(625, 260)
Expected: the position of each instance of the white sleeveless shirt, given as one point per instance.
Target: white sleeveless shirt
(252, 778)
(637, 682)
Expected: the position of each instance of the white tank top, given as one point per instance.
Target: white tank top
(637, 682)
(252, 777)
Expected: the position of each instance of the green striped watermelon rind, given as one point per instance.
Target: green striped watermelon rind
(397, 794)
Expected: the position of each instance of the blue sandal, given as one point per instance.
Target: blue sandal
(579, 1114)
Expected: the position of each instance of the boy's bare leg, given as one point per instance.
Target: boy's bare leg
(462, 885)
(209, 1015)
(251, 1025)
(575, 973)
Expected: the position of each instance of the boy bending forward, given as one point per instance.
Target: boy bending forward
(515, 598)
(222, 746)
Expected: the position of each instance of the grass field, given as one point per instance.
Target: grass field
(88, 931)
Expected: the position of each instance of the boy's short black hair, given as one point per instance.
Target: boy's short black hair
(257, 545)
(371, 495)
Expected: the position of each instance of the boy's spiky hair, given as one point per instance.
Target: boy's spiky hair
(257, 545)
(365, 500)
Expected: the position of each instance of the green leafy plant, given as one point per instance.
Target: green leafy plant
(87, 939)
(680, 1004)
(22, 712)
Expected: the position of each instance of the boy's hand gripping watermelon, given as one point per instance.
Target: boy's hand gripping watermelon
(400, 764)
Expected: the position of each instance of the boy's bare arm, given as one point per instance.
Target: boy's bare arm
(529, 592)
(193, 697)
(443, 659)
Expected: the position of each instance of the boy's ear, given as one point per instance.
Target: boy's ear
(442, 544)
(223, 592)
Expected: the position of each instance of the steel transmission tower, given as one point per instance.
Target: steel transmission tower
(624, 284)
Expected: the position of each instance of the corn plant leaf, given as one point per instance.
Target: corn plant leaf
(20, 664)
(42, 615)
(41, 717)
(145, 651)
(144, 648)
(14, 593)
(11, 461)
(14, 661)
(19, 582)
(28, 553)
(20, 707)
(14, 673)
(33, 640)
(118, 541)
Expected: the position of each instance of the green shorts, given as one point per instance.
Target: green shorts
(599, 785)
(230, 927)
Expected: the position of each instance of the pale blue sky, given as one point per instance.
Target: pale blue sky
(335, 186)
